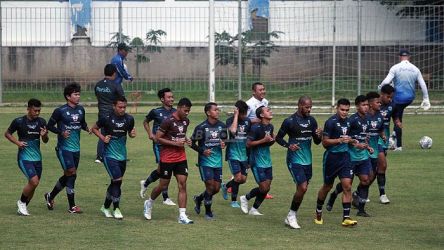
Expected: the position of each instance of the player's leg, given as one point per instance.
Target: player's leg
(346, 176)
(398, 113)
(181, 173)
(28, 169)
(100, 148)
(363, 170)
(381, 177)
(71, 176)
(329, 174)
(239, 172)
(265, 178)
(301, 175)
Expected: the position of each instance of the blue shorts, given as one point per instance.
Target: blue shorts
(116, 169)
(209, 173)
(30, 168)
(374, 162)
(300, 173)
(238, 166)
(156, 151)
(68, 159)
(363, 167)
(262, 174)
(336, 165)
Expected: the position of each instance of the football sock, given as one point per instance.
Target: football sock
(295, 205)
(165, 194)
(108, 198)
(346, 206)
(319, 205)
(363, 195)
(229, 184)
(381, 184)
(182, 211)
(23, 198)
(154, 176)
(234, 190)
(207, 203)
(253, 193)
(116, 192)
(259, 199)
(70, 182)
(60, 184)
(338, 189)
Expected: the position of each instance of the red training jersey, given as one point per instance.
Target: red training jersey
(173, 130)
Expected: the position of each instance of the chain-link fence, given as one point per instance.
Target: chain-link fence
(326, 49)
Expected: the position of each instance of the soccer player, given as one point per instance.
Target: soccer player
(30, 128)
(172, 136)
(67, 121)
(300, 128)
(208, 140)
(117, 60)
(158, 115)
(236, 153)
(106, 92)
(386, 112)
(336, 137)
(259, 140)
(359, 155)
(404, 76)
(115, 127)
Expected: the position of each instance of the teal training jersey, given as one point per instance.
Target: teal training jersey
(28, 131)
(260, 155)
(237, 145)
(376, 123)
(358, 131)
(335, 128)
(209, 136)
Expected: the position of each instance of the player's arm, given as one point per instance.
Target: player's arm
(44, 132)
(316, 132)
(197, 139)
(425, 104)
(146, 125)
(84, 124)
(328, 142)
(281, 134)
(233, 127)
(96, 130)
(388, 79)
(118, 62)
(131, 128)
(252, 142)
(9, 135)
(52, 122)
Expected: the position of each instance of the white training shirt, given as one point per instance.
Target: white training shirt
(404, 76)
(253, 104)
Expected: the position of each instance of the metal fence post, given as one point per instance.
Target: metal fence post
(211, 66)
(333, 79)
(1, 54)
(120, 21)
(359, 45)
(239, 53)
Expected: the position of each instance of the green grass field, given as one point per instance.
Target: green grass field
(413, 219)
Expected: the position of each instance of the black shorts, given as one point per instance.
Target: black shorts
(169, 168)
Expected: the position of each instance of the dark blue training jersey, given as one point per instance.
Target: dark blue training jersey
(260, 155)
(300, 131)
(387, 113)
(358, 131)
(376, 123)
(158, 115)
(335, 128)
(237, 145)
(209, 136)
(67, 118)
(28, 131)
(118, 127)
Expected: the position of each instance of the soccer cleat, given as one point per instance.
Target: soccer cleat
(331, 202)
(142, 189)
(235, 204)
(269, 197)
(367, 201)
(117, 214)
(355, 200)
(106, 212)
(224, 191)
(318, 218)
(363, 214)
(98, 160)
(49, 202)
(383, 199)
(198, 204)
(349, 222)
(244, 204)
(169, 202)
(229, 190)
(398, 149)
(292, 222)
(254, 211)
(22, 209)
(75, 210)
(147, 208)
(184, 220)
(209, 216)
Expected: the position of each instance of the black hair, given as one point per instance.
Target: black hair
(372, 95)
(387, 89)
(184, 102)
(71, 88)
(360, 99)
(120, 98)
(109, 70)
(241, 106)
(302, 99)
(259, 111)
(208, 106)
(161, 93)
(34, 103)
(253, 86)
(343, 101)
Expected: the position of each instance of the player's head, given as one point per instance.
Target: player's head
(404, 54)
(166, 97)
(304, 106)
(361, 103)
(110, 71)
(264, 113)
(374, 100)
(119, 105)
(258, 89)
(211, 110)
(123, 49)
(342, 108)
(184, 107)
(72, 93)
(242, 107)
(387, 92)
(34, 107)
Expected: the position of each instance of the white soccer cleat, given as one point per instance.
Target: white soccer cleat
(244, 204)
(383, 199)
(367, 201)
(254, 211)
(106, 212)
(169, 202)
(292, 222)
(22, 209)
(117, 214)
(184, 220)
(398, 149)
(142, 189)
(148, 206)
